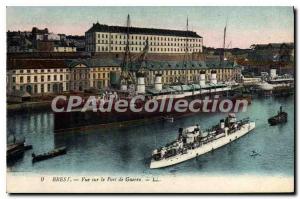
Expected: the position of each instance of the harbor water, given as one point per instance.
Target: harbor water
(127, 150)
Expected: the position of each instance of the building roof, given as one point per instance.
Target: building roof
(181, 65)
(36, 30)
(148, 65)
(76, 37)
(273, 45)
(144, 31)
(35, 63)
(63, 44)
(93, 62)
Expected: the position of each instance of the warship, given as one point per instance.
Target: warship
(193, 142)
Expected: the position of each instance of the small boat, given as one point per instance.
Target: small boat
(16, 150)
(27, 147)
(254, 153)
(51, 154)
(281, 117)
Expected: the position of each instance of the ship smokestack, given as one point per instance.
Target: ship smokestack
(123, 87)
(141, 88)
(226, 131)
(158, 83)
(202, 78)
(222, 124)
(273, 73)
(213, 77)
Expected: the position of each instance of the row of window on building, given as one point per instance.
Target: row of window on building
(120, 48)
(28, 71)
(196, 72)
(78, 76)
(219, 76)
(171, 79)
(31, 79)
(151, 38)
(60, 87)
(150, 43)
(40, 70)
(65, 49)
(42, 78)
(42, 88)
(104, 75)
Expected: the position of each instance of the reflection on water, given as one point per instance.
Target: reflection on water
(127, 150)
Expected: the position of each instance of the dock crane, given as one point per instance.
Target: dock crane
(126, 76)
(142, 58)
(130, 68)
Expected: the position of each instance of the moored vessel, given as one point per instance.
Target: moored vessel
(16, 150)
(51, 154)
(281, 117)
(165, 96)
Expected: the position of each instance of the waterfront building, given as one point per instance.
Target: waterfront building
(189, 72)
(37, 76)
(40, 77)
(263, 57)
(113, 39)
(45, 76)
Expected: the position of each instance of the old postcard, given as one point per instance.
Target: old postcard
(150, 99)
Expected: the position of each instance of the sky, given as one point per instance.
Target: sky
(245, 25)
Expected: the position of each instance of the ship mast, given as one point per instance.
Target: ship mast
(222, 53)
(127, 57)
(127, 63)
(186, 50)
(186, 39)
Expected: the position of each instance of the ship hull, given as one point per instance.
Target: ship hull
(76, 120)
(279, 119)
(205, 148)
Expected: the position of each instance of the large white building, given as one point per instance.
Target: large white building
(104, 38)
